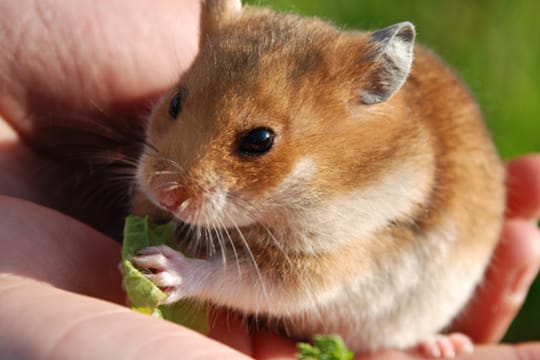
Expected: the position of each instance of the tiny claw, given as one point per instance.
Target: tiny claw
(156, 262)
(165, 280)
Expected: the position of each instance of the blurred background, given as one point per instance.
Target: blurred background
(493, 44)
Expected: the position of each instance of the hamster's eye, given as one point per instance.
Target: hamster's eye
(257, 141)
(175, 106)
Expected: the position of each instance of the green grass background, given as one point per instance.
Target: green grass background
(494, 45)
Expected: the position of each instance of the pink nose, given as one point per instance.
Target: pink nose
(172, 199)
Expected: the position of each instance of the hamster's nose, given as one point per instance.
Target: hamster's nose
(172, 199)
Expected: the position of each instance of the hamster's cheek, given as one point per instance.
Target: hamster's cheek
(293, 185)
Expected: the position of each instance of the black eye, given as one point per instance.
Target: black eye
(257, 141)
(175, 107)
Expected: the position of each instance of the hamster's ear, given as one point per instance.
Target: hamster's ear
(216, 12)
(391, 55)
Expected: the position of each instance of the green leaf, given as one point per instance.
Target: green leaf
(143, 295)
(189, 313)
(141, 232)
(307, 351)
(141, 292)
(324, 348)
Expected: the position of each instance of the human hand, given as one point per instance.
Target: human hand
(75, 78)
(75, 65)
(61, 296)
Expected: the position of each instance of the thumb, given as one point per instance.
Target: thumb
(41, 321)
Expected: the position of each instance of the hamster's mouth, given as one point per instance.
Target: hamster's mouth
(192, 212)
(213, 208)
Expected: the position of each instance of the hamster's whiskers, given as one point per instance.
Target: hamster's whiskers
(221, 242)
(166, 172)
(173, 163)
(106, 157)
(149, 146)
(170, 186)
(156, 155)
(251, 256)
(233, 247)
(210, 243)
(249, 208)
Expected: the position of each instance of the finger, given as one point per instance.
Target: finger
(392, 355)
(227, 328)
(268, 346)
(40, 321)
(515, 264)
(43, 244)
(505, 352)
(523, 184)
(491, 352)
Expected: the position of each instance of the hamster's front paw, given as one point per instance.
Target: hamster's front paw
(445, 346)
(166, 269)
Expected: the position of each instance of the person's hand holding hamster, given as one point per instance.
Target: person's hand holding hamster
(63, 63)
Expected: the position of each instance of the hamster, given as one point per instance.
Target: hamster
(328, 181)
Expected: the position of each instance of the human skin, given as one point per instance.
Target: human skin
(64, 62)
